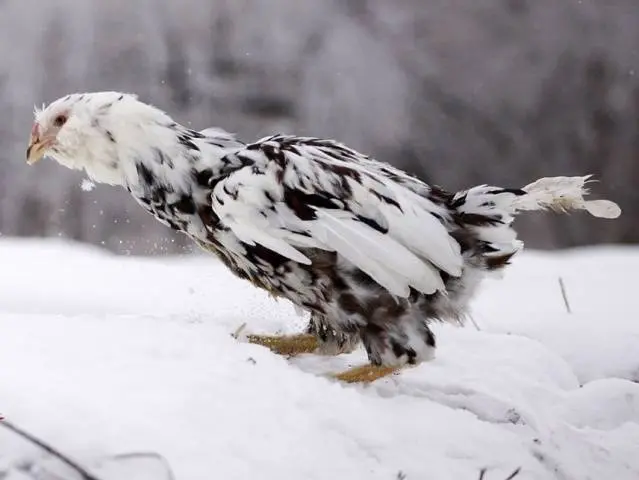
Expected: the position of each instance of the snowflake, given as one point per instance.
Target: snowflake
(87, 185)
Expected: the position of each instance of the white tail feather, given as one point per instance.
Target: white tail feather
(560, 194)
(563, 194)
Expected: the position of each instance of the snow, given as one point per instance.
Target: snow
(103, 354)
(87, 185)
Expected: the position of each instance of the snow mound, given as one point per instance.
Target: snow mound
(603, 404)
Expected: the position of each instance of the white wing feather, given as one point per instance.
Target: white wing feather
(371, 250)
(334, 235)
(251, 235)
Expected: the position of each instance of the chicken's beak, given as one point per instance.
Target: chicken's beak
(36, 149)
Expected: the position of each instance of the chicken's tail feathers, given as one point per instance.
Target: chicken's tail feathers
(563, 194)
(487, 213)
(559, 194)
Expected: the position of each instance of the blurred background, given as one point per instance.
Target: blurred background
(459, 92)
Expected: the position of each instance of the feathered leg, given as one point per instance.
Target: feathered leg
(391, 347)
(331, 341)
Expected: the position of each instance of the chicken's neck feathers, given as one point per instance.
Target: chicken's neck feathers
(172, 155)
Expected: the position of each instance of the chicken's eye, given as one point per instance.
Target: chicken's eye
(60, 120)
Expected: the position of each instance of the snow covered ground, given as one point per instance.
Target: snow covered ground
(102, 354)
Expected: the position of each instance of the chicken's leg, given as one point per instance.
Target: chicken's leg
(289, 345)
(365, 373)
(318, 338)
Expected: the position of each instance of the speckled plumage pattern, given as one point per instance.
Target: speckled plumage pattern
(373, 253)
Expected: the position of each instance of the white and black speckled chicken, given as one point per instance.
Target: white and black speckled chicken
(371, 252)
